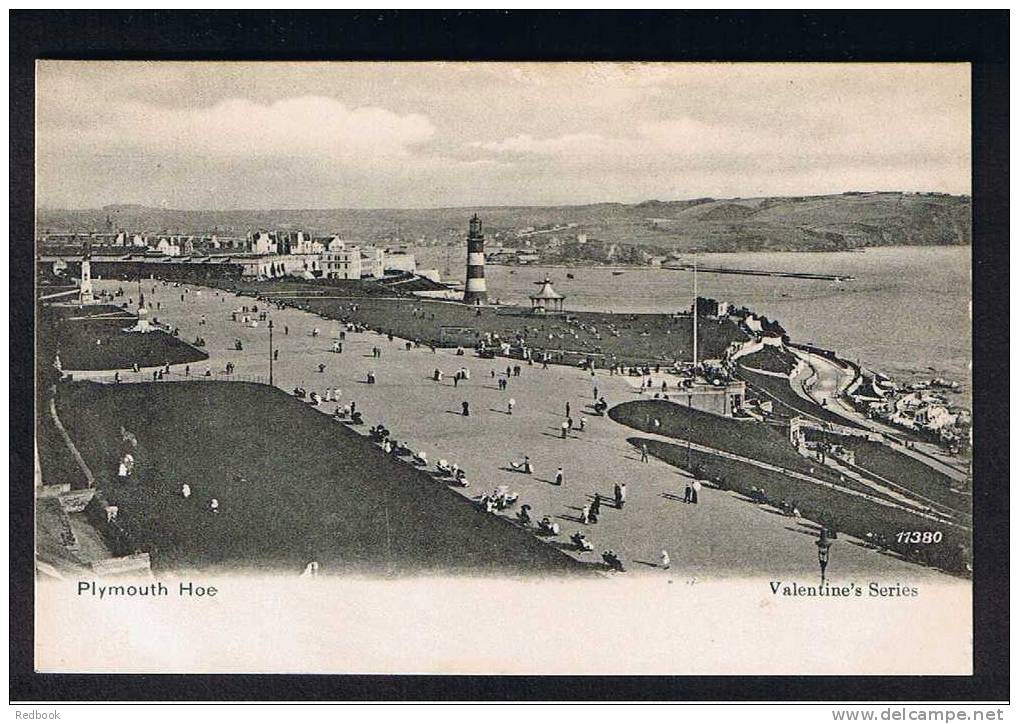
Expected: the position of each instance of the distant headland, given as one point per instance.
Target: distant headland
(615, 233)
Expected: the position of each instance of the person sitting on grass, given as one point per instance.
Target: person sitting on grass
(420, 458)
(547, 527)
(612, 561)
(580, 542)
(524, 516)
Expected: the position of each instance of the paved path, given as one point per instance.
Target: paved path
(723, 535)
(824, 384)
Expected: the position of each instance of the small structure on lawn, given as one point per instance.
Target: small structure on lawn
(143, 325)
(547, 299)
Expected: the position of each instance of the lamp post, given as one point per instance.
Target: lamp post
(270, 353)
(824, 544)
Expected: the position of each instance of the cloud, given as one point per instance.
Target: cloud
(308, 126)
(525, 143)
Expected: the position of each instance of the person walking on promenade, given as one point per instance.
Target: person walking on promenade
(509, 406)
(466, 409)
(456, 379)
(565, 428)
(568, 411)
(596, 392)
(585, 514)
(696, 491)
(666, 561)
(643, 453)
(286, 329)
(687, 494)
(559, 476)
(620, 492)
(596, 505)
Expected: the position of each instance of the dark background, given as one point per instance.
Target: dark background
(980, 37)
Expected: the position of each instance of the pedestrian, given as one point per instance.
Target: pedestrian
(585, 514)
(185, 490)
(456, 379)
(286, 329)
(596, 504)
(569, 421)
(565, 427)
(583, 423)
(528, 468)
(509, 406)
(666, 561)
(596, 392)
(687, 494)
(187, 370)
(568, 410)
(620, 493)
(696, 491)
(275, 354)
(466, 409)
(643, 453)
(559, 476)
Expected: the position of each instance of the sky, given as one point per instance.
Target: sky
(416, 135)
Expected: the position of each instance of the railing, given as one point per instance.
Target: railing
(137, 377)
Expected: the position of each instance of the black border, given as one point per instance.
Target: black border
(979, 37)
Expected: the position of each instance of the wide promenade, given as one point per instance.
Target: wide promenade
(723, 535)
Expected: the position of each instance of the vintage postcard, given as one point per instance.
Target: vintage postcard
(503, 368)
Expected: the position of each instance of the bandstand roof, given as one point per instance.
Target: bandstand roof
(546, 291)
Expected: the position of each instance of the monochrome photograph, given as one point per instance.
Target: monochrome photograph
(473, 367)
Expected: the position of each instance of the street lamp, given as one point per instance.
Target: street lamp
(270, 353)
(824, 544)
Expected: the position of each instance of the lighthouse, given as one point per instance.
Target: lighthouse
(475, 291)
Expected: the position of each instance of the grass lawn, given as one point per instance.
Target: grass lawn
(848, 513)
(785, 399)
(75, 340)
(293, 486)
(912, 474)
(754, 440)
(770, 359)
(627, 338)
(56, 463)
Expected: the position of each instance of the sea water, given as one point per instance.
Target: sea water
(906, 312)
